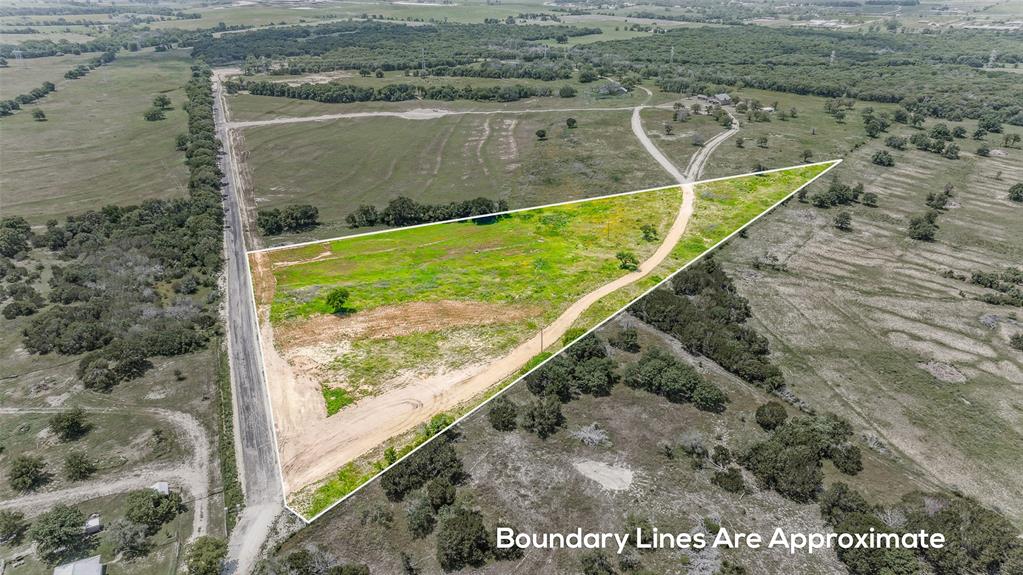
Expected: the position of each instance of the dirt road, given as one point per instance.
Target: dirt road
(192, 476)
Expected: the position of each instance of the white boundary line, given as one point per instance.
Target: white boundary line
(472, 411)
(554, 205)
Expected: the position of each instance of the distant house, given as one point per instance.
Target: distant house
(722, 99)
(93, 525)
(90, 566)
(161, 487)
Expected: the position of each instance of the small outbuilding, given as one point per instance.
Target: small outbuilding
(161, 487)
(723, 99)
(93, 525)
(89, 566)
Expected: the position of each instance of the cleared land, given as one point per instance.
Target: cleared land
(445, 159)
(477, 293)
(95, 147)
(857, 318)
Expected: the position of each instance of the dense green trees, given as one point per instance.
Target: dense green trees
(341, 93)
(206, 556)
(436, 460)
(58, 532)
(127, 537)
(403, 211)
(502, 414)
(660, 373)
(462, 539)
(705, 314)
(12, 526)
(292, 218)
(151, 509)
(120, 308)
(1016, 193)
(790, 460)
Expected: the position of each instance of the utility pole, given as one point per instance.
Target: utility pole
(672, 59)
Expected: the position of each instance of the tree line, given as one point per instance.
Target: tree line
(404, 211)
(373, 45)
(341, 93)
(8, 107)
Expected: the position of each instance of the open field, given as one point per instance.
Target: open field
(95, 147)
(22, 77)
(497, 156)
(857, 318)
(468, 306)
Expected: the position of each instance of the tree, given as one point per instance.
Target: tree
(152, 509)
(502, 414)
(951, 151)
(38, 115)
(379, 73)
(70, 424)
(627, 260)
(870, 199)
(626, 340)
(206, 556)
(708, 397)
(336, 299)
(739, 142)
(26, 473)
(543, 416)
(541, 134)
(421, 518)
(588, 74)
(807, 155)
(843, 221)
(983, 151)
(730, 480)
(762, 141)
(127, 537)
(57, 532)
(596, 563)
(440, 493)
(668, 129)
(883, 158)
(1016, 193)
(847, 458)
(571, 123)
(154, 115)
(12, 526)
(461, 539)
(771, 415)
(959, 132)
(78, 466)
(922, 228)
(567, 92)
(162, 102)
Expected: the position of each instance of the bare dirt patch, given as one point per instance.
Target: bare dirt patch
(610, 477)
(943, 371)
(396, 320)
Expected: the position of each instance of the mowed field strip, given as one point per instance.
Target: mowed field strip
(440, 314)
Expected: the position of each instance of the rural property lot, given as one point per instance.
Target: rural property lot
(124, 159)
(440, 314)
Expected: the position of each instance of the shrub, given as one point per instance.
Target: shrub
(151, 509)
(26, 473)
(78, 466)
(461, 539)
(883, 158)
(567, 92)
(502, 414)
(421, 518)
(1016, 193)
(626, 340)
(771, 415)
(543, 416)
(336, 299)
(627, 260)
(206, 556)
(69, 425)
(12, 526)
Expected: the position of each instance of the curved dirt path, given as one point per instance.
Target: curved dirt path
(370, 422)
(417, 114)
(192, 476)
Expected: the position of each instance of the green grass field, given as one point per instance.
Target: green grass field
(442, 160)
(541, 259)
(95, 147)
(24, 76)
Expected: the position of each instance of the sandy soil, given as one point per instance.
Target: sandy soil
(395, 320)
(609, 477)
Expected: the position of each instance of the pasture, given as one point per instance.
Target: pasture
(340, 164)
(95, 148)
